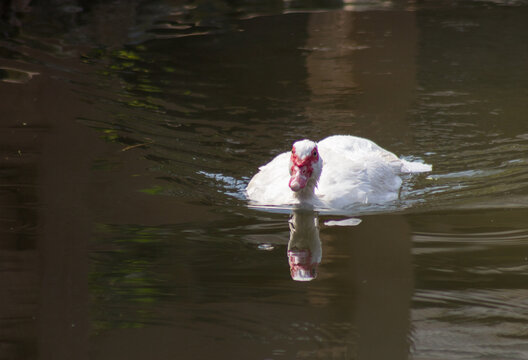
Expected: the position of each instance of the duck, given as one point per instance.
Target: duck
(337, 172)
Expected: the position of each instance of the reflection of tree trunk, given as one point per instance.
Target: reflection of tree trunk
(18, 244)
(66, 231)
(361, 72)
(50, 153)
(330, 76)
(387, 71)
(330, 44)
(384, 281)
(373, 283)
(361, 75)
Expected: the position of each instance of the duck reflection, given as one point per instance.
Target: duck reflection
(304, 247)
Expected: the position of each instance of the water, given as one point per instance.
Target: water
(130, 129)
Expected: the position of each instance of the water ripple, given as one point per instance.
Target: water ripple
(460, 324)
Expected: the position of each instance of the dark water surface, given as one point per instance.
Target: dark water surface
(130, 129)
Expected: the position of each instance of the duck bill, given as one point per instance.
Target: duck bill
(298, 180)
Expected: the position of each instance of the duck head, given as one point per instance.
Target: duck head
(306, 166)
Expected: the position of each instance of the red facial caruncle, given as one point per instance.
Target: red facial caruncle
(301, 169)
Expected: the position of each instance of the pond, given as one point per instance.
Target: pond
(130, 130)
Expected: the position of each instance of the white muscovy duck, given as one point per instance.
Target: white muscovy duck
(334, 173)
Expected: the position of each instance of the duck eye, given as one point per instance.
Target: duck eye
(314, 153)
